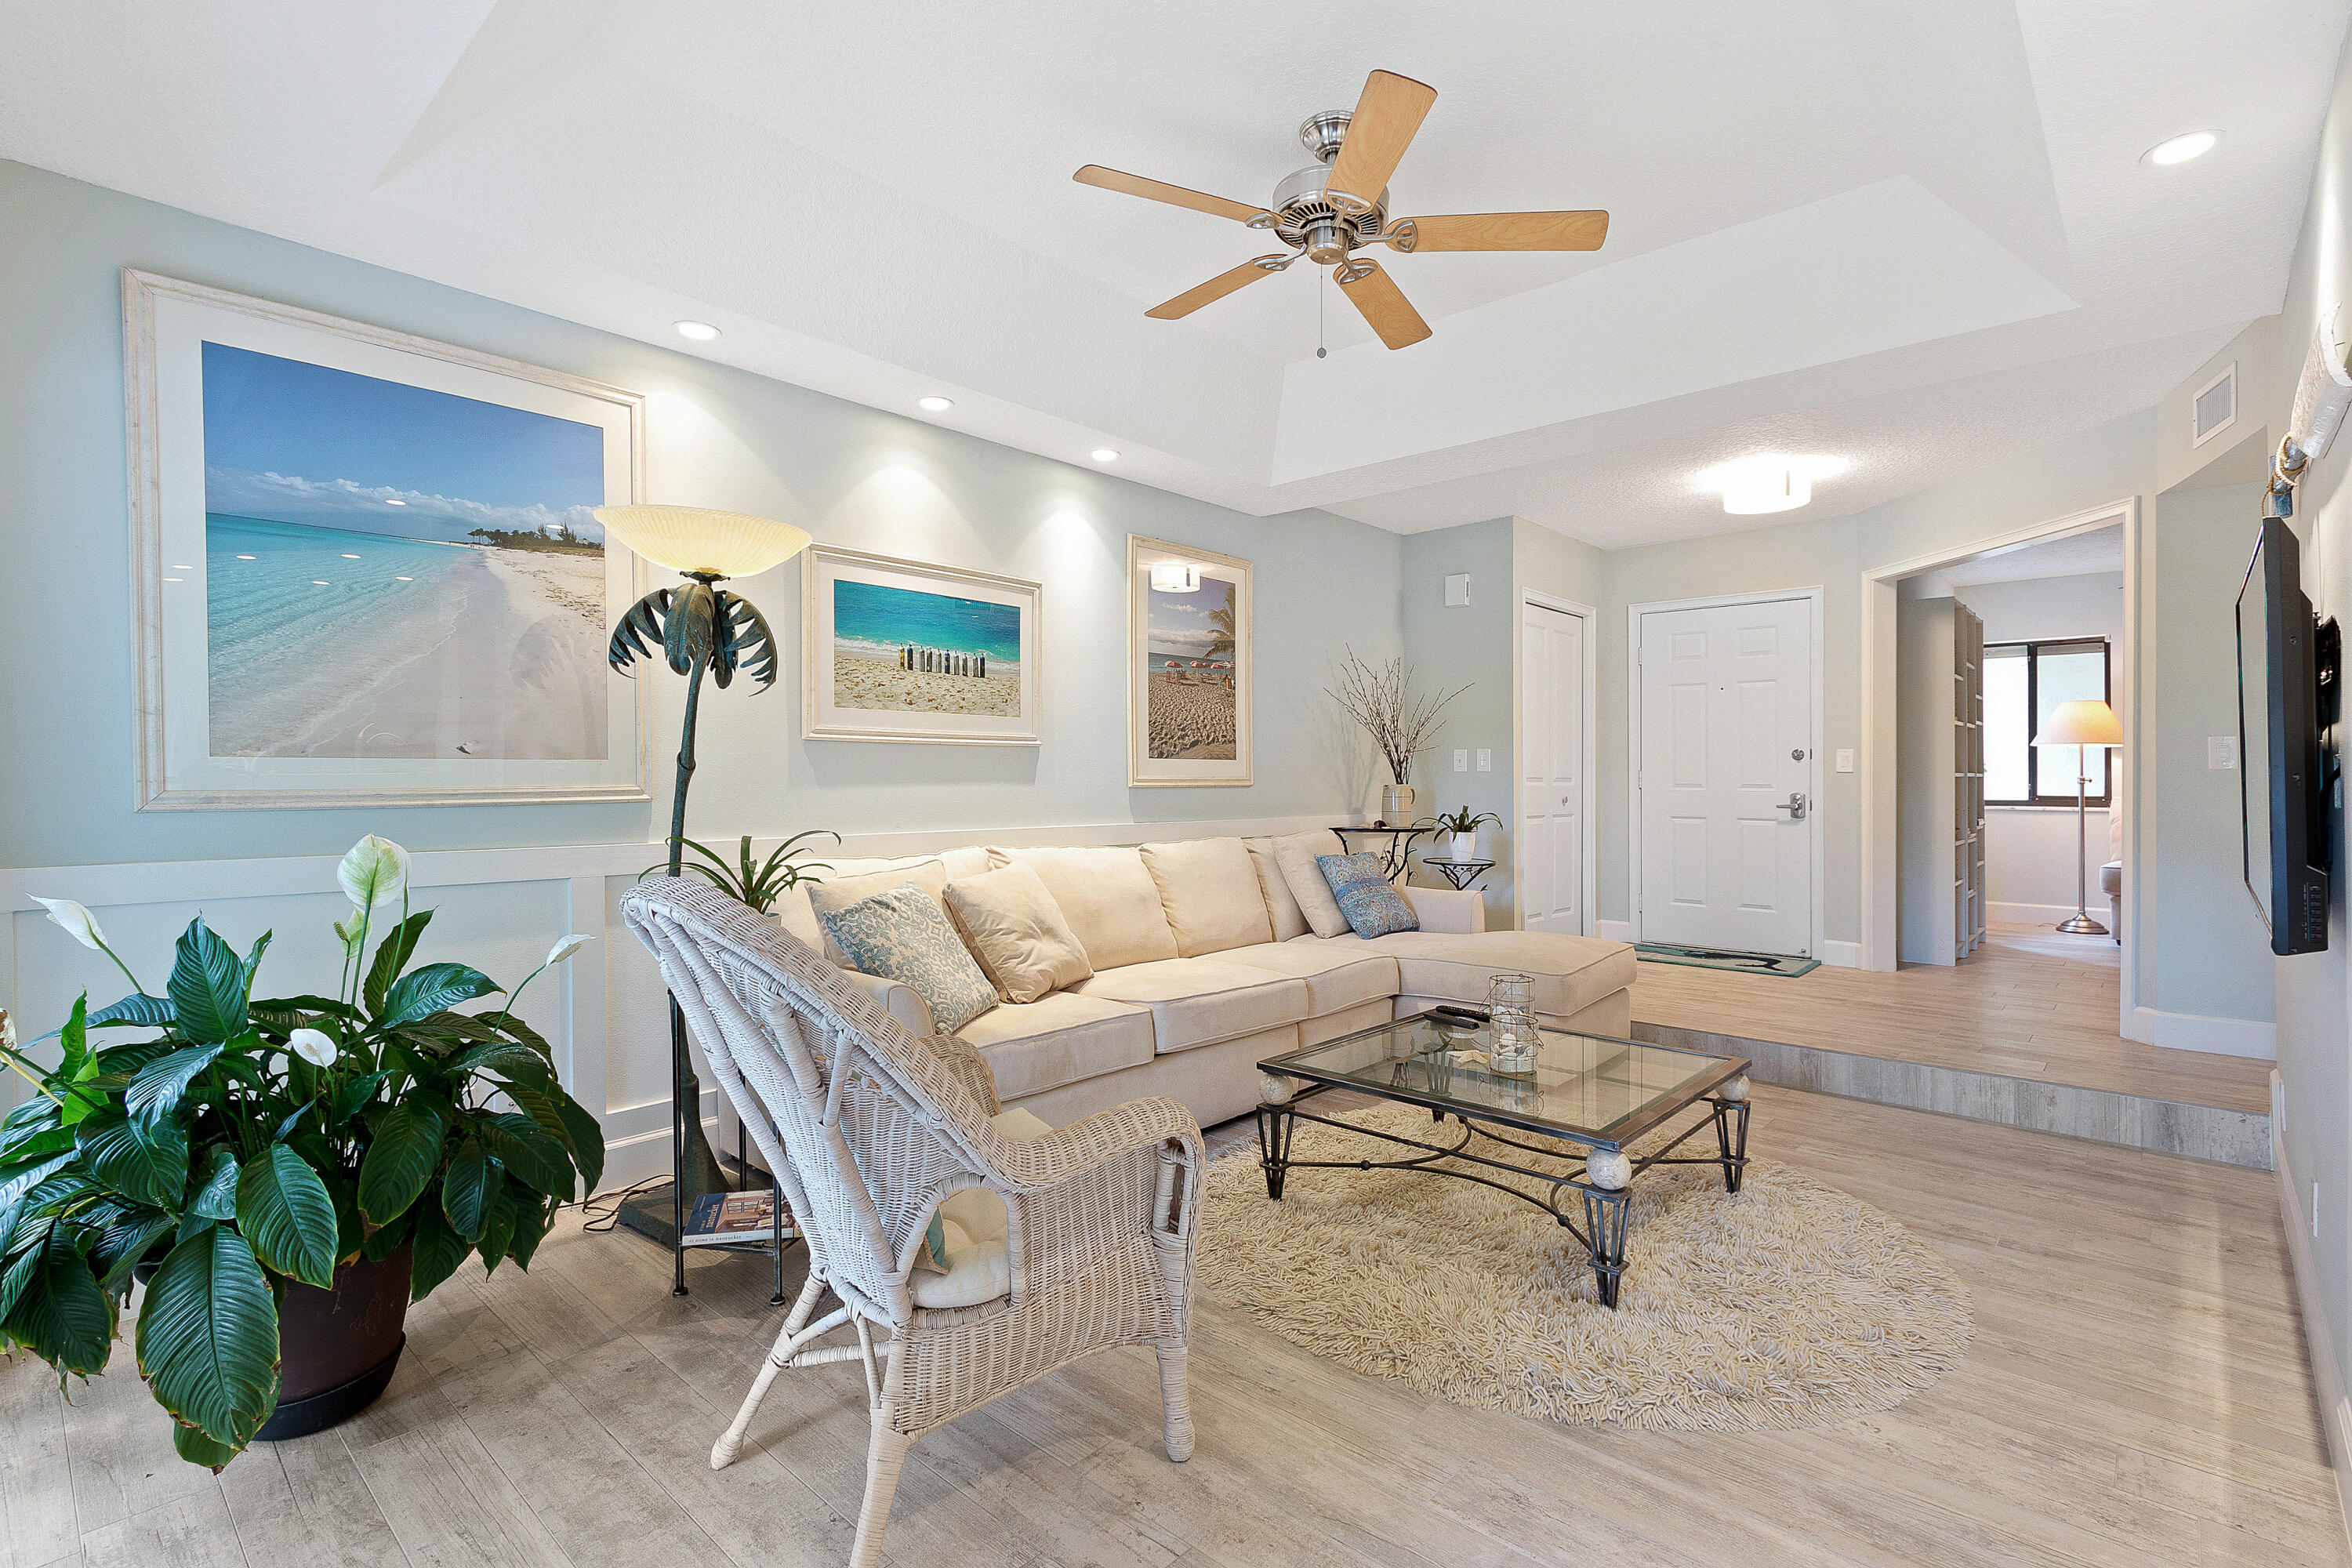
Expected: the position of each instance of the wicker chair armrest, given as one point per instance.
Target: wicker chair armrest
(1039, 1164)
(968, 1067)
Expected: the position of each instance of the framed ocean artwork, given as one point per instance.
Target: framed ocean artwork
(899, 650)
(364, 570)
(1190, 665)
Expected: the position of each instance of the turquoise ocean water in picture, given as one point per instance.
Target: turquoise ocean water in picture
(871, 621)
(271, 587)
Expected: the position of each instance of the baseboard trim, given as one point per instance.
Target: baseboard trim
(2335, 1404)
(1614, 930)
(1842, 954)
(2195, 1032)
(642, 1156)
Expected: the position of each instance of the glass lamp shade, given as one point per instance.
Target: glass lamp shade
(2089, 723)
(695, 539)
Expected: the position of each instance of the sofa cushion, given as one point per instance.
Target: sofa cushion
(1059, 1038)
(1570, 972)
(1280, 906)
(1209, 891)
(1340, 971)
(971, 1234)
(1296, 855)
(1198, 1001)
(1365, 895)
(1014, 927)
(901, 934)
(1109, 900)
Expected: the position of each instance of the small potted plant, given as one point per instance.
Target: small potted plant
(1463, 824)
(284, 1176)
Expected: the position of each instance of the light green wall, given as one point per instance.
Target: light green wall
(1472, 648)
(717, 436)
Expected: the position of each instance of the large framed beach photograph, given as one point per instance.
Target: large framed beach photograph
(1189, 665)
(365, 571)
(899, 650)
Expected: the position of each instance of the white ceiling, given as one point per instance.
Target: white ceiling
(2077, 555)
(1918, 237)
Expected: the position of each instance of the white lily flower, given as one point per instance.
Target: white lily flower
(313, 1045)
(375, 873)
(77, 921)
(565, 948)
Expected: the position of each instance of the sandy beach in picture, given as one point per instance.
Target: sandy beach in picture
(879, 683)
(1189, 695)
(902, 650)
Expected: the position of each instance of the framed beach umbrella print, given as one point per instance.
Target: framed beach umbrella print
(1190, 665)
(364, 570)
(899, 650)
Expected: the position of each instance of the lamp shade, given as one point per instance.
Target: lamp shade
(694, 539)
(2089, 724)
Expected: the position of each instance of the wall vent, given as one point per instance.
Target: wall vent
(2215, 407)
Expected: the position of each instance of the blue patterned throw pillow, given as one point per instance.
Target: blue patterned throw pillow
(1365, 894)
(902, 935)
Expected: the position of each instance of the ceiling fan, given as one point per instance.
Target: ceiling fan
(1327, 212)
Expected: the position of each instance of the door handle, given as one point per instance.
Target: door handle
(1795, 805)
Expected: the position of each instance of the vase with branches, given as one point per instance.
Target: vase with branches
(1402, 722)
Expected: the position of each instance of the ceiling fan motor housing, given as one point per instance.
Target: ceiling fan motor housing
(1306, 219)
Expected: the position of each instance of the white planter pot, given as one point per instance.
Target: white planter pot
(1465, 845)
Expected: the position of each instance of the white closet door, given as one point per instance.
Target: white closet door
(1551, 780)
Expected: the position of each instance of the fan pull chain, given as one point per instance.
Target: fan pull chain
(1322, 293)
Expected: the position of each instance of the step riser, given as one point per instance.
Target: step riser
(2136, 1121)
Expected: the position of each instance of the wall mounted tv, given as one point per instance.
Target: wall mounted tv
(2286, 697)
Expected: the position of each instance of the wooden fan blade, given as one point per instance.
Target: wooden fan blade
(1383, 304)
(1502, 231)
(1160, 191)
(1390, 110)
(1215, 288)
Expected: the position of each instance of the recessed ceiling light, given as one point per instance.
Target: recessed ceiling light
(701, 332)
(2181, 149)
(1103, 454)
(394, 501)
(935, 404)
(1768, 482)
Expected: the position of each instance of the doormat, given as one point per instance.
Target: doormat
(1717, 958)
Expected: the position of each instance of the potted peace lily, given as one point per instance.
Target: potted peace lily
(1461, 824)
(285, 1175)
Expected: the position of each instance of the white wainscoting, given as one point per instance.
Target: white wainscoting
(2335, 1404)
(605, 1014)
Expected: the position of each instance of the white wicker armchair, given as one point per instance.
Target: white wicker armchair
(867, 1127)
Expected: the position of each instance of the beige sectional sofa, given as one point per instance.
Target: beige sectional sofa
(1205, 963)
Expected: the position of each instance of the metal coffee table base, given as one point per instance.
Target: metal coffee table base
(1604, 1209)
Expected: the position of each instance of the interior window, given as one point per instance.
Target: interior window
(2024, 684)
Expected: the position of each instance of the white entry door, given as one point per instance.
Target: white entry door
(1551, 778)
(1726, 818)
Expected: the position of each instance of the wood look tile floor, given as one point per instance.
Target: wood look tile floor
(2135, 1395)
(2015, 1007)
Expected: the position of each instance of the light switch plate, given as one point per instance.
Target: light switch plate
(1486, 760)
(1461, 760)
(1845, 759)
(2221, 751)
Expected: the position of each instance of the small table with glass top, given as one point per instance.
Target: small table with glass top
(1586, 1090)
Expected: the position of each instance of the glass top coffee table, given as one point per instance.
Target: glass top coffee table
(1586, 1090)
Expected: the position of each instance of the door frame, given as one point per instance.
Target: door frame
(1880, 889)
(1814, 597)
(1589, 851)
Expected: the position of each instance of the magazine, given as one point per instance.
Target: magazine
(719, 1219)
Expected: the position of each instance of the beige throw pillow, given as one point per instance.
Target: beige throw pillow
(1283, 910)
(836, 892)
(1296, 855)
(1210, 893)
(1109, 900)
(1012, 923)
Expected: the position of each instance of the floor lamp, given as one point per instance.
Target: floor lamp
(2082, 725)
(702, 629)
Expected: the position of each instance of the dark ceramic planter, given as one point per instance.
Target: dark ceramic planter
(337, 1348)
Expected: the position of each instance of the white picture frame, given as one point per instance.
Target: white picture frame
(1188, 669)
(938, 634)
(167, 324)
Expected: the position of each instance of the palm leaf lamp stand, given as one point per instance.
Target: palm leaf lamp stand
(2082, 725)
(702, 629)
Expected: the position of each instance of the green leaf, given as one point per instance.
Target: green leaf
(392, 956)
(122, 1244)
(24, 1266)
(208, 1337)
(439, 1252)
(498, 1224)
(527, 1149)
(287, 1013)
(352, 1097)
(62, 1316)
(216, 1199)
(155, 1089)
(75, 1036)
(207, 986)
(517, 1029)
(587, 1141)
(466, 1189)
(33, 1130)
(400, 1161)
(198, 1450)
(139, 1009)
(287, 1217)
(385, 1240)
(531, 1225)
(505, 1057)
(252, 964)
(146, 1163)
(430, 990)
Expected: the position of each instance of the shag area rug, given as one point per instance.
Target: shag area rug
(1785, 1305)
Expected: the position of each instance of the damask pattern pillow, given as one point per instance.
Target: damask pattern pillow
(901, 934)
(1365, 895)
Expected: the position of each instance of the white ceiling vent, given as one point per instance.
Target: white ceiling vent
(2215, 407)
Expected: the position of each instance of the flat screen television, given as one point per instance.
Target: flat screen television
(2283, 770)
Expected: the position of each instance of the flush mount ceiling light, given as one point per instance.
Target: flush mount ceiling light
(1768, 482)
(935, 404)
(2181, 149)
(701, 332)
(1175, 577)
(1103, 454)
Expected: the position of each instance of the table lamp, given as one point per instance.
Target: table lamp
(700, 628)
(2081, 725)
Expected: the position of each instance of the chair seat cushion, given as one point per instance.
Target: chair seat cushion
(1570, 973)
(970, 1234)
(1340, 971)
(1059, 1038)
(1199, 1001)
